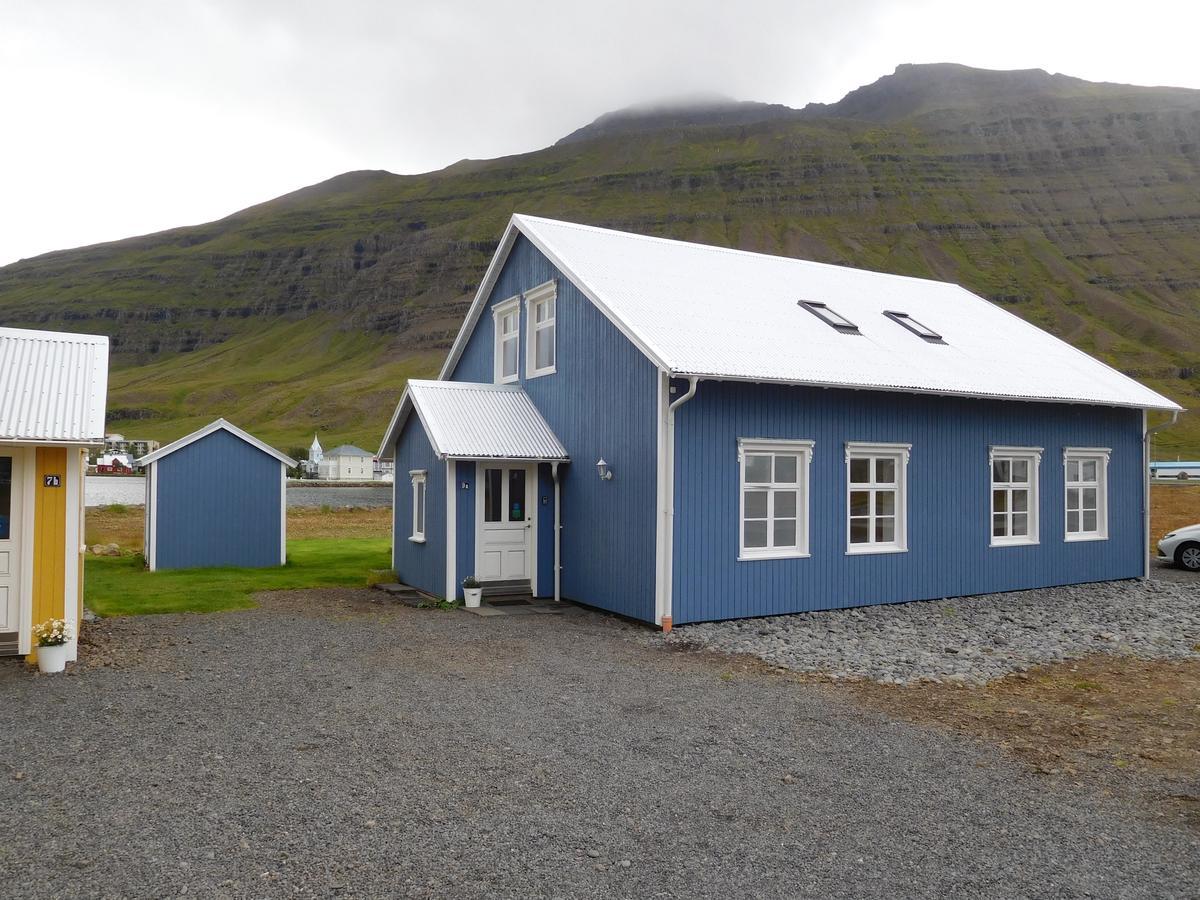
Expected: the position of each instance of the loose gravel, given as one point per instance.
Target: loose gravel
(324, 744)
(972, 639)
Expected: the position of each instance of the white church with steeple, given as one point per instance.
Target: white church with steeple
(316, 456)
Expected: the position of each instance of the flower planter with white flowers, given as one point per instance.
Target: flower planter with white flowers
(472, 592)
(53, 640)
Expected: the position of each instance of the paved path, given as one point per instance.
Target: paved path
(323, 744)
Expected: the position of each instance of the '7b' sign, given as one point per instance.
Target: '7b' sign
(52, 481)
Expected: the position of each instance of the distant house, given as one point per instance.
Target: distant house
(680, 433)
(1175, 471)
(52, 397)
(217, 497)
(346, 463)
(114, 464)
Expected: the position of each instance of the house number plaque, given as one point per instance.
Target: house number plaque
(52, 481)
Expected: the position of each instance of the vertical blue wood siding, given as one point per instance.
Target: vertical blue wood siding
(421, 565)
(218, 505)
(601, 402)
(948, 499)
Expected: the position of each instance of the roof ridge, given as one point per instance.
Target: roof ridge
(716, 248)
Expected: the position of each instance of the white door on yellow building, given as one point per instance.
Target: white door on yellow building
(10, 535)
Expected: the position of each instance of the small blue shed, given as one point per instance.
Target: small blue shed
(684, 433)
(217, 497)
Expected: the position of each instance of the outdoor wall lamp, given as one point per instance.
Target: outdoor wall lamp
(603, 471)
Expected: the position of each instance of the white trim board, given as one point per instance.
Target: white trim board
(218, 425)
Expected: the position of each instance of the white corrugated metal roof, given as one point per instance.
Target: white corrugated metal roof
(709, 311)
(477, 421)
(218, 425)
(52, 386)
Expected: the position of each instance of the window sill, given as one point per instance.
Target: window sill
(417, 540)
(870, 549)
(1075, 538)
(540, 372)
(783, 554)
(508, 380)
(1022, 543)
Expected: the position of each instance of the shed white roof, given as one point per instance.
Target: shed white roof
(464, 420)
(52, 386)
(219, 425)
(694, 309)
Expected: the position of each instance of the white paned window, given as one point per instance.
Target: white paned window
(1087, 493)
(541, 305)
(774, 498)
(877, 498)
(418, 506)
(507, 316)
(1014, 517)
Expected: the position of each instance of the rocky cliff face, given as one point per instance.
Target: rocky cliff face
(1076, 205)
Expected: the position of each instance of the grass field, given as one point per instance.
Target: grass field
(121, 586)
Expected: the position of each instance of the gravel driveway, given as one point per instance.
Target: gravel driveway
(974, 639)
(323, 744)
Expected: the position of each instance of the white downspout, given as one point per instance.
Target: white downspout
(1146, 435)
(557, 534)
(669, 502)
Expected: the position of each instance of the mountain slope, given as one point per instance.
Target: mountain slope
(1076, 205)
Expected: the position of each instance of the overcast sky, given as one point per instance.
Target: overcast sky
(124, 117)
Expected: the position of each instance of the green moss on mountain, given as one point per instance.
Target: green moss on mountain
(1074, 204)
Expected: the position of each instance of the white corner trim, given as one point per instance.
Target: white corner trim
(451, 530)
(74, 537)
(28, 458)
(152, 560)
(282, 514)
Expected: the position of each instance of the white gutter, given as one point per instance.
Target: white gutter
(557, 534)
(668, 472)
(1147, 433)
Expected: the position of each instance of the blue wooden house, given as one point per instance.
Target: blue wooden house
(217, 497)
(677, 433)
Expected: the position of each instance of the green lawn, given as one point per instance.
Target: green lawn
(120, 586)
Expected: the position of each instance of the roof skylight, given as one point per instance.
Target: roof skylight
(829, 316)
(923, 331)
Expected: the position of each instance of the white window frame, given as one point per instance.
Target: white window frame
(499, 311)
(419, 481)
(534, 297)
(1032, 455)
(899, 453)
(803, 450)
(1100, 456)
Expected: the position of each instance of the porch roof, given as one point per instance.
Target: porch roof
(465, 420)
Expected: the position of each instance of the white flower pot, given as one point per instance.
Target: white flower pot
(472, 596)
(52, 659)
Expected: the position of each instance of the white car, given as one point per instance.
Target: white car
(1182, 546)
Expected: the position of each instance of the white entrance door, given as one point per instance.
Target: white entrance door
(10, 534)
(505, 517)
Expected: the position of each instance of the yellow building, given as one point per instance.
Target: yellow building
(52, 395)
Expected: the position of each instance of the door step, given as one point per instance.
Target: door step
(8, 643)
(504, 590)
